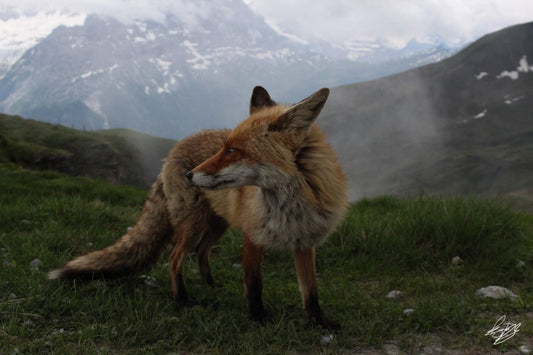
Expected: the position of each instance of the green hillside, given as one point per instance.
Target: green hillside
(118, 155)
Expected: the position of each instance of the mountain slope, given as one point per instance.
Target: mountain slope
(461, 125)
(118, 156)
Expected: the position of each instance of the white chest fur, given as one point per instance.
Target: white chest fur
(289, 221)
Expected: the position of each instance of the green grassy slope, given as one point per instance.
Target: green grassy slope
(383, 244)
(119, 156)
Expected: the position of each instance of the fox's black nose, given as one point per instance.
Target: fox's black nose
(189, 174)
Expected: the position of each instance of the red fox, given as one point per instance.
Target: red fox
(274, 177)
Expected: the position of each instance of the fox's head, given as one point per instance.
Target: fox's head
(262, 150)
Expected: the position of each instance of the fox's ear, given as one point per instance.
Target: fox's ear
(302, 114)
(260, 99)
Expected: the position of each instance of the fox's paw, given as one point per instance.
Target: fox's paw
(330, 324)
(325, 323)
(259, 316)
(182, 302)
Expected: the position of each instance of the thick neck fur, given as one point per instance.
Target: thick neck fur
(322, 180)
(302, 209)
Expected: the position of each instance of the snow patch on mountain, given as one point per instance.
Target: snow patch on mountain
(198, 61)
(481, 114)
(523, 67)
(513, 75)
(280, 32)
(161, 64)
(95, 72)
(511, 100)
(481, 75)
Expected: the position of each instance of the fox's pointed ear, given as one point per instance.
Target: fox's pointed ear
(302, 114)
(260, 99)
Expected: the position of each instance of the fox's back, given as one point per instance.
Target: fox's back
(194, 149)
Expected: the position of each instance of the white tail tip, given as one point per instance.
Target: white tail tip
(56, 274)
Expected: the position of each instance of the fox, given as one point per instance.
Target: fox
(274, 177)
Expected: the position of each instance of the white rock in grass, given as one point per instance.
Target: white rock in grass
(524, 349)
(149, 280)
(496, 292)
(391, 349)
(408, 311)
(326, 339)
(457, 261)
(34, 265)
(520, 264)
(394, 294)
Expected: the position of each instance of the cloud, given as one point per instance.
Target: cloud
(398, 21)
(333, 20)
(123, 10)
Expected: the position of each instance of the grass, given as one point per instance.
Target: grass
(383, 244)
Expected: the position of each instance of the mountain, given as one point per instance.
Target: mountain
(462, 125)
(176, 76)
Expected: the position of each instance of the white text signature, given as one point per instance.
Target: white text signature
(503, 331)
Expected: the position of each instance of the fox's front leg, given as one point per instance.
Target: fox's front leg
(252, 256)
(305, 268)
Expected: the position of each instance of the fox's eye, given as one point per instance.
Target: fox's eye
(230, 150)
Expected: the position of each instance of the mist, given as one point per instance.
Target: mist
(384, 132)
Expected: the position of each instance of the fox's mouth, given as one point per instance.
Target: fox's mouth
(219, 184)
(212, 182)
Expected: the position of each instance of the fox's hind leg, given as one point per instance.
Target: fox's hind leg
(186, 235)
(217, 227)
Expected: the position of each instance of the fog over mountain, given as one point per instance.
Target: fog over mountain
(170, 75)
(463, 125)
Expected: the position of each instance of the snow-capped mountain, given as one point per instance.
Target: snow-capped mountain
(381, 50)
(179, 74)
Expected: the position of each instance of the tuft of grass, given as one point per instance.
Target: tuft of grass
(425, 233)
(383, 244)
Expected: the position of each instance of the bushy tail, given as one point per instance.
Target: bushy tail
(135, 251)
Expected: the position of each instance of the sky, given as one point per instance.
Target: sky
(396, 22)
(393, 20)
